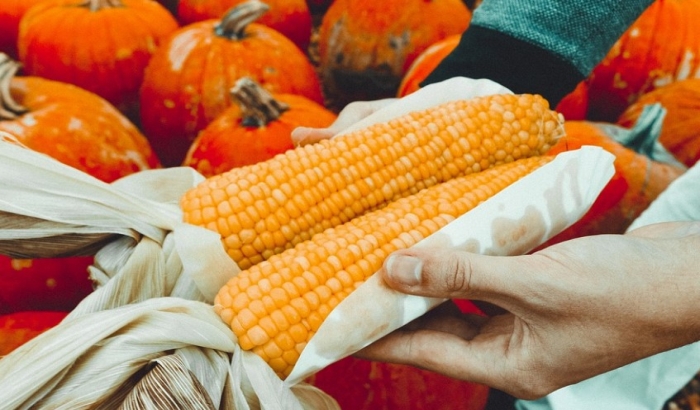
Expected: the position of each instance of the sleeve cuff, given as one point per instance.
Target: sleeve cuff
(518, 65)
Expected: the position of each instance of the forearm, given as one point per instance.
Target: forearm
(540, 46)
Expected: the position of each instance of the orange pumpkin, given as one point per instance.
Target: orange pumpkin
(187, 81)
(255, 129)
(574, 106)
(680, 134)
(661, 47)
(425, 63)
(637, 181)
(72, 125)
(363, 385)
(290, 17)
(365, 47)
(11, 13)
(91, 54)
(20, 327)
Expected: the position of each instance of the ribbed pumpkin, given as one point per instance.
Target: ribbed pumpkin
(680, 134)
(637, 181)
(11, 13)
(290, 17)
(425, 63)
(102, 46)
(256, 128)
(365, 46)
(358, 384)
(661, 47)
(187, 81)
(19, 328)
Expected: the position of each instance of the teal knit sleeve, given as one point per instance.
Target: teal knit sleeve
(580, 32)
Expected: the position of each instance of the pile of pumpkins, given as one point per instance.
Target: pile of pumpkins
(113, 87)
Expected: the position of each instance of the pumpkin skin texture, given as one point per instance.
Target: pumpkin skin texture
(365, 47)
(187, 81)
(91, 55)
(363, 385)
(662, 46)
(55, 284)
(574, 106)
(11, 13)
(290, 17)
(19, 328)
(425, 63)
(255, 129)
(637, 182)
(77, 128)
(680, 134)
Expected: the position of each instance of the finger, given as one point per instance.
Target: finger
(304, 135)
(667, 230)
(451, 274)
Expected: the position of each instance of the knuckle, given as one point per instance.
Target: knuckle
(458, 273)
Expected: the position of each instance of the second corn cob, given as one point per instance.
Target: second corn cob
(263, 209)
(276, 306)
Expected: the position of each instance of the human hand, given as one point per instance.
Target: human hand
(360, 114)
(574, 310)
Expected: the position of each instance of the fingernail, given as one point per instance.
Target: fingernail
(404, 269)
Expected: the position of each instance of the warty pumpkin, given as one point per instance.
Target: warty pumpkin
(77, 42)
(187, 82)
(290, 17)
(365, 46)
(662, 46)
(254, 129)
(680, 134)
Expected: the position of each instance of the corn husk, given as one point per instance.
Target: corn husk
(148, 337)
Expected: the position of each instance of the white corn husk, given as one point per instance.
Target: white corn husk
(147, 337)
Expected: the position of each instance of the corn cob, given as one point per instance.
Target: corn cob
(262, 209)
(276, 306)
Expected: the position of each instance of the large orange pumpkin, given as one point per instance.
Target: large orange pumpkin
(11, 13)
(255, 129)
(20, 327)
(187, 81)
(290, 17)
(102, 46)
(365, 47)
(661, 47)
(637, 182)
(680, 133)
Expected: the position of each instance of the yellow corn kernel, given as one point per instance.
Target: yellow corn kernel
(304, 304)
(309, 189)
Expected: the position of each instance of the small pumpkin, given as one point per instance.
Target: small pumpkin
(363, 385)
(72, 125)
(662, 46)
(11, 13)
(290, 17)
(637, 181)
(574, 106)
(680, 134)
(20, 327)
(365, 47)
(105, 51)
(187, 82)
(256, 128)
(425, 63)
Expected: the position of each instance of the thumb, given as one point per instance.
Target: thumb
(453, 274)
(304, 135)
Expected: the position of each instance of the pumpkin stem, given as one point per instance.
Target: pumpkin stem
(96, 5)
(258, 106)
(236, 19)
(9, 108)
